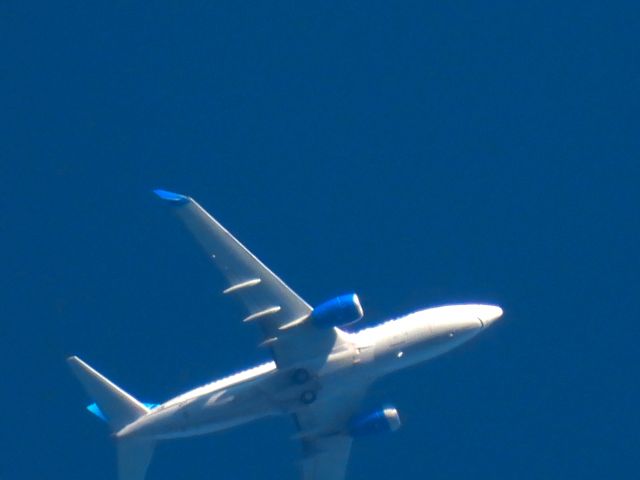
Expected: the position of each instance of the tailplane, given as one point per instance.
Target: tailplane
(118, 409)
(113, 404)
(134, 456)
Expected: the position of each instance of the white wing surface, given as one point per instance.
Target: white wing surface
(270, 302)
(323, 428)
(326, 458)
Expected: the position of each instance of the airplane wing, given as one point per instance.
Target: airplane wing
(326, 458)
(270, 302)
(323, 429)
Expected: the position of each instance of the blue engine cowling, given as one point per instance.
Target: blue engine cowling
(383, 420)
(339, 311)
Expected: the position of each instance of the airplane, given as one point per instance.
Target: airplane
(319, 374)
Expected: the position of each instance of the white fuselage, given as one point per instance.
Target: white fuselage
(266, 390)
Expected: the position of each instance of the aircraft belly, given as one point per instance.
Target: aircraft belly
(209, 413)
(272, 394)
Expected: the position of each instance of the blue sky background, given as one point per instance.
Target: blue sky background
(418, 153)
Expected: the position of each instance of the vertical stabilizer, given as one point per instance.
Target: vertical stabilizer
(117, 406)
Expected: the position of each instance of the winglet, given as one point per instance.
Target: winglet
(171, 196)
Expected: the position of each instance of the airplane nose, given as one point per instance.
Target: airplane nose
(489, 314)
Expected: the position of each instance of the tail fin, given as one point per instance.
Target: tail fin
(114, 405)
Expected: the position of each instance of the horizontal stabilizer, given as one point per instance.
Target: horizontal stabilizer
(113, 404)
(134, 456)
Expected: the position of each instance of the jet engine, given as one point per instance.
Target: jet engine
(339, 311)
(383, 420)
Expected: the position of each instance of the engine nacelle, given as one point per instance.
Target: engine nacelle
(339, 311)
(383, 420)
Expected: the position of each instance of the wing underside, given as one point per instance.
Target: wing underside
(281, 314)
(278, 310)
(323, 428)
(326, 458)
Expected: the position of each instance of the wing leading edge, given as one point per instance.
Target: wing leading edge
(278, 310)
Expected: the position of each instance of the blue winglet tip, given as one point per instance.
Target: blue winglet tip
(171, 196)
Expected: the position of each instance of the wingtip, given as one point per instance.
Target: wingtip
(172, 197)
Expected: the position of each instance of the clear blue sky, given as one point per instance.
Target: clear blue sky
(417, 153)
